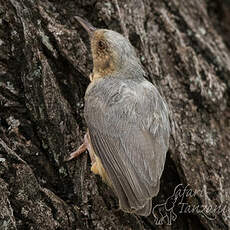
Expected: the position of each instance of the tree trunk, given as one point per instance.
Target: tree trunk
(45, 62)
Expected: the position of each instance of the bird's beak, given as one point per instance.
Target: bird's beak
(87, 26)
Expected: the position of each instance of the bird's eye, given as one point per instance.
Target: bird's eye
(101, 44)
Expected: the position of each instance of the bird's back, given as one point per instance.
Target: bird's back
(129, 127)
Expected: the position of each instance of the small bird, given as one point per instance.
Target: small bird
(128, 122)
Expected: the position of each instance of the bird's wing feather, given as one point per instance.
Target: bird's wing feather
(129, 130)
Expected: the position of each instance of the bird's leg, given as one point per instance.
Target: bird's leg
(85, 146)
(96, 166)
(78, 152)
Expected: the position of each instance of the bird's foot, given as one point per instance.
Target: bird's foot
(80, 150)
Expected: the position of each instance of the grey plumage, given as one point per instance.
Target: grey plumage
(127, 121)
(129, 129)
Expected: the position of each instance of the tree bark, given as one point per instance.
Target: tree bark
(45, 62)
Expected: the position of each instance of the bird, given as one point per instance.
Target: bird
(128, 127)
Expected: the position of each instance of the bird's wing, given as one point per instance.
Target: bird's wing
(129, 130)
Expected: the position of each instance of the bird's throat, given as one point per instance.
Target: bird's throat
(101, 71)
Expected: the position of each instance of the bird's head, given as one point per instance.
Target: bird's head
(112, 52)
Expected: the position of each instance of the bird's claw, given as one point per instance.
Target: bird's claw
(78, 152)
(85, 146)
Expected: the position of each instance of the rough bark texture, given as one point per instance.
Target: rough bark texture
(44, 67)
